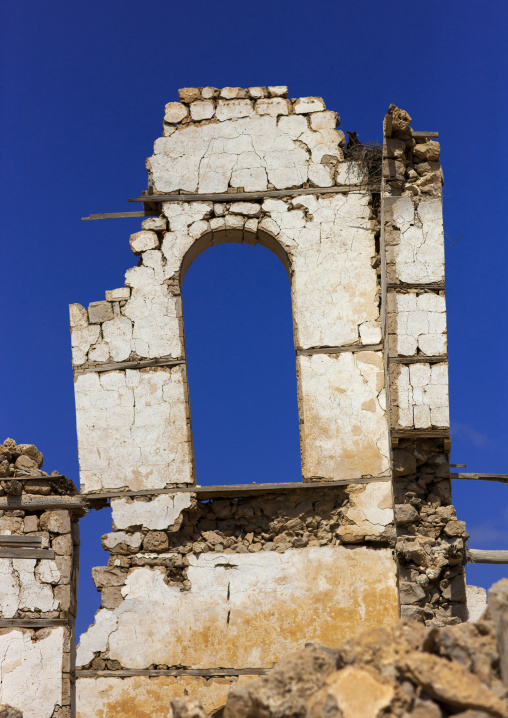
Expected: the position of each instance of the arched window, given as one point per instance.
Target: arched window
(241, 366)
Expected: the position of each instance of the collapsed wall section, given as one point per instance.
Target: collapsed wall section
(201, 595)
(38, 586)
(431, 542)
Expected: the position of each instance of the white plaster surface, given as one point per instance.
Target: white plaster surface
(422, 396)
(247, 149)
(270, 598)
(132, 429)
(370, 510)
(421, 324)
(416, 242)
(476, 601)
(345, 430)
(31, 671)
(160, 513)
(23, 587)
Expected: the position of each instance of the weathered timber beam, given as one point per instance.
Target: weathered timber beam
(418, 360)
(501, 478)
(420, 433)
(21, 541)
(27, 553)
(35, 503)
(120, 215)
(338, 350)
(129, 673)
(441, 287)
(33, 622)
(425, 134)
(476, 555)
(141, 364)
(245, 196)
(235, 490)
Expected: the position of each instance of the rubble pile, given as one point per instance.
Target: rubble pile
(21, 472)
(400, 671)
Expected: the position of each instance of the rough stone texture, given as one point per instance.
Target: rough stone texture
(160, 513)
(419, 396)
(476, 601)
(417, 323)
(270, 596)
(397, 671)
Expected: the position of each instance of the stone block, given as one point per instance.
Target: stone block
(306, 105)
(142, 242)
(55, 521)
(233, 109)
(427, 152)
(62, 545)
(155, 224)
(231, 93)
(324, 120)
(111, 597)
(30, 523)
(273, 106)
(99, 312)
(78, 316)
(256, 93)
(278, 91)
(189, 94)
(175, 112)
(202, 110)
(209, 93)
(160, 513)
(118, 295)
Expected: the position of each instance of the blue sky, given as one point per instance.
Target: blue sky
(84, 87)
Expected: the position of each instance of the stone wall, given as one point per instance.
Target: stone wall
(38, 596)
(431, 542)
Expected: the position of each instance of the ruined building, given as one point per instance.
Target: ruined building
(207, 587)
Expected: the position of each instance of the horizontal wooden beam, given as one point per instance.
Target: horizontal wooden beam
(21, 541)
(339, 350)
(501, 478)
(476, 555)
(422, 287)
(120, 215)
(236, 490)
(430, 135)
(420, 359)
(118, 366)
(36, 503)
(421, 433)
(205, 672)
(252, 196)
(33, 622)
(27, 553)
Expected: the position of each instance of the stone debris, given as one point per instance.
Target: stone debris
(399, 671)
(21, 472)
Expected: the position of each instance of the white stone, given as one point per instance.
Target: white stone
(159, 513)
(175, 112)
(308, 104)
(257, 92)
(110, 540)
(142, 241)
(82, 340)
(78, 316)
(476, 600)
(31, 671)
(247, 208)
(274, 106)
(47, 572)
(99, 353)
(229, 93)
(324, 120)
(20, 589)
(202, 110)
(294, 126)
(118, 334)
(370, 510)
(370, 333)
(350, 172)
(278, 91)
(268, 596)
(118, 295)
(233, 109)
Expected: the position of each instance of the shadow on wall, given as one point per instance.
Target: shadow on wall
(241, 365)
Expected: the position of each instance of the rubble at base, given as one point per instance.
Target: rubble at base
(400, 671)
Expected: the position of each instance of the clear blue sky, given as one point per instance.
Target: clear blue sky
(84, 87)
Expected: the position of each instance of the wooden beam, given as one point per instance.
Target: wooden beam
(338, 350)
(423, 287)
(421, 433)
(33, 622)
(429, 135)
(237, 490)
(501, 478)
(205, 672)
(27, 553)
(36, 503)
(417, 360)
(476, 555)
(141, 364)
(120, 215)
(21, 541)
(249, 196)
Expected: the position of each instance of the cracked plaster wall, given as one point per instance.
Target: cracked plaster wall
(328, 244)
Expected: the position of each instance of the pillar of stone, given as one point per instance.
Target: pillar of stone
(39, 558)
